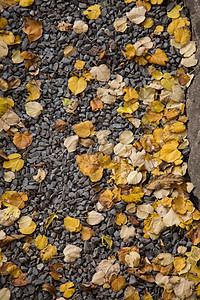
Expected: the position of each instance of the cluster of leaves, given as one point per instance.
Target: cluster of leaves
(130, 163)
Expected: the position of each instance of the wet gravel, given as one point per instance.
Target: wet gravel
(66, 191)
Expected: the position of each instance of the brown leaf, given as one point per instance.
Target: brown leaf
(11, 238)
(117, 283)
(33, 29)
(49, 288)
(87, 233)
(134, 221)
(88, 287)
(96, 104)
(64, 27)
(20, 281)
(22, 140)
(14, 83)
(3, 156)
(57, 271)
(164, 182)
(87, 142)
(60, 126)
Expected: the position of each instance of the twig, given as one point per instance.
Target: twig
(87, 37)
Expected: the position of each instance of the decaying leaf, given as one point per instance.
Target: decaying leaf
(80, 27)
(127, 232)
(64, 27)
(71, 143)
(5, 294)
(94, 218)
(93, 12)
(22, 140)
(33, 29)
(50, 219)
(68, 289)
(107, 240)
(69, 50)
(49, 288)
(120, 24)
(60, 126)
(33, 109)
(71, 253)
(100, 73)
(40, 175)
(137, 15)
(117, 283)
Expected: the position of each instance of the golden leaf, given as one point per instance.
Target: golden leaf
(93, 12)
(159, 58)
(33, 90)
(117, 283)
(120, 219)
(148, 23)
(177, 23)
(68, 51)
(179, 263)
(72, 224)
(167, 81)
(87, 233)
(3, 23)
(107, 240)
(169, 152)
(106, 199)
(135, 195)
(79, 65)
(158, 30)
(84, 129)
(22, 140)
(48, 252)
(15, 163)
(182, 35)
(130, 94)
(33, 109)
(174, 12)
(77, 85)
(96, 104)
(41, 242)
(50, 219)
(25, 3)
(89, 166)
(130, 51)
(33, 29)
(68, 289)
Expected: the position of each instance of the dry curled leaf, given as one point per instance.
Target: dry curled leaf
(64, 27)
(137, 15)
(33, 109)
(33, 29)
(80, 27)
(60, 126)
(71, 253)
(47, 287)
(120, 24)
(100, 73)
(40, 175)
(94, 218)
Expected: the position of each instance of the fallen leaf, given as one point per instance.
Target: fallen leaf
(48, 252)
(100, 73)
(189, 61)
(47, 287)
(71, 143)
(72, 106)
(134, 177)
(117, 283)
(77, 85)
(87, 233)
(64, 27)
(127, 232)
(159, 58)
(93, 12)
(182, 35)
(72, 224)
(9, 176)
(69, 50)
(68, 289)
(130, 51)
(174, 12)
(40, 175)
(3, 23)
(60, 126)
(33, 89)
(15, 163)
(144, 210)
(3, 49)
(137, 15)
(80, 27)
(188, 49)
(41, 242)
(22, 140)
(16, 57)
(50, 219)
(5, 294)
(132, 259)
(33, 109)
(107, 240)
(25, 3)
(120, 24)
(9, 215)
(79, 65)
(94, 218)
(84, 129)
(120, 219)
(71, 253)
(96, 104)
(33, 29)
(89, 166)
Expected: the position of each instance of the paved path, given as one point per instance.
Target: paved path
(193, 103)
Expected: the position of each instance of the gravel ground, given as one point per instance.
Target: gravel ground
(65, 190)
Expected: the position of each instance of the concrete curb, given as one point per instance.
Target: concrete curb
(193, 103)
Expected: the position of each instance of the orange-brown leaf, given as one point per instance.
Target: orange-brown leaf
(33, 29)
(22, 140)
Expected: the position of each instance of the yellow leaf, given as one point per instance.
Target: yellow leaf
(5, 103)
(157, 75)
(84, 129)
(169, 152)
(17, 58)
(147, 296)
(179, 263)
(72, 224)
(177, 23)
(174, 12)
(156, 106)
(130, 51)
(33, 90)
(135, 195)
(178, 127)
(15, 163)
(106, 199)
(8, 37)
(107, 240)
(87, 233)
(89, 166)
(148, 23)
(68, 289)
(182, 35)
(68, 51)
(28, 230)
(156, 1)
(50, 220)
(117, 283)
(41, 242)
(93, 12)
(79, 65)
(130, 94)
(120, 219)
(193, 255)
(3, 23)
(167, 81)
(77, 85)
(158, 30)
(25, 3)
(48, 252)
(159, 58)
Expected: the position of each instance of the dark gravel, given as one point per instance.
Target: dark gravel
(66, 190)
